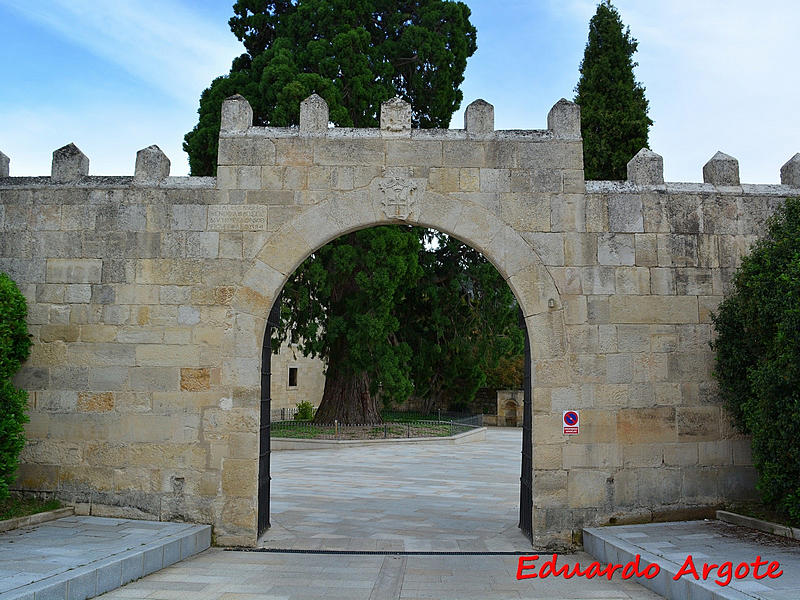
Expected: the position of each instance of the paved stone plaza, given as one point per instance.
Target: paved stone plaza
(412, 497)
(400, 498)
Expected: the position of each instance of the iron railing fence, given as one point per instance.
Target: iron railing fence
(285, 414)
(386, 430)
(395, 416)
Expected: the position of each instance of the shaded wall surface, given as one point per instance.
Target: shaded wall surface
(149, 296)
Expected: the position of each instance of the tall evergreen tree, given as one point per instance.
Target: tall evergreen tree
(461, 323)
(355, 54)
(614, 121)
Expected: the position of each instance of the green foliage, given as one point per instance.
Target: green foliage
(460, 321)
(340, 305)
(614, 121)
(509, 372)
(14, 349)
(14, 507)
(432, 319)
(305, 411)
(758, 357)
(354, 53)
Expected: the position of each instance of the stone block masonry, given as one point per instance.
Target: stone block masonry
(149, 296)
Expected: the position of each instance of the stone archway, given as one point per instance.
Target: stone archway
(519, 265)
(314, 184)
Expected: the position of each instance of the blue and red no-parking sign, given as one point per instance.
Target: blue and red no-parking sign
(571, 421)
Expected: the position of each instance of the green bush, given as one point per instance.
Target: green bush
(758, 358)
(14, 349)
(305, 411)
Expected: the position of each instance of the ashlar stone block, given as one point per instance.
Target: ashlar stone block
(69, 164)
(790, 172)
(4, 165)
(654, 309)
(479, 118)
(721, 169)
(237, 114)
(646, 425)
(548, 246)
(616, 249)
(646, 168)
(313, 115)
(625, 214)
(586, 488)
(152, 166)
(564, 119)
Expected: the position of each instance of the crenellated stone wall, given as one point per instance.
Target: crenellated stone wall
(149, 296)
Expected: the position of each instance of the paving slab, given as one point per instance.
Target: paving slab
(81, 557)
(714, 542)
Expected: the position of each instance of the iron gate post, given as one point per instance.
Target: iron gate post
(273, 320)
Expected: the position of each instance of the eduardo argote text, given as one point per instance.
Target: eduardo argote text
(722, 574)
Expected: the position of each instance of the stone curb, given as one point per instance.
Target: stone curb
(761, 525)
(115, 571)
(35, 519)
(607, 548)
(474, 435)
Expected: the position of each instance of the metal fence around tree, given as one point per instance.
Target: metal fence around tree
(395, 426)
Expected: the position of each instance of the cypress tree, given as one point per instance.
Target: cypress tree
(614, 121)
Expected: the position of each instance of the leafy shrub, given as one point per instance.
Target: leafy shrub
(305, 411)
(14, 349)
(758, 358)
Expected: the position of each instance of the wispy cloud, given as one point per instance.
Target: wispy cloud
(162, 42)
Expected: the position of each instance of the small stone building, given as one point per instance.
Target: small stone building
(510, 405)
(295, 378)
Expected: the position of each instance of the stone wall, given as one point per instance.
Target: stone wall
(149, 295)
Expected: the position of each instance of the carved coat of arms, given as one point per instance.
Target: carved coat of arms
(398, 197)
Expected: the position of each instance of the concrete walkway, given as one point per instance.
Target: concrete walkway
(669, 545)
(220, 575)
(80, 557)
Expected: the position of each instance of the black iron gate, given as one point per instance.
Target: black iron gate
(526, 483)
(264, 428)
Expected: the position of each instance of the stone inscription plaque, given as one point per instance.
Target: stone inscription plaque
(237, 217)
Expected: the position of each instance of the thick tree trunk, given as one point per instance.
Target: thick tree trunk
(347, 399)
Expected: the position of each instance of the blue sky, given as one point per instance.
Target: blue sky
(114, 76)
